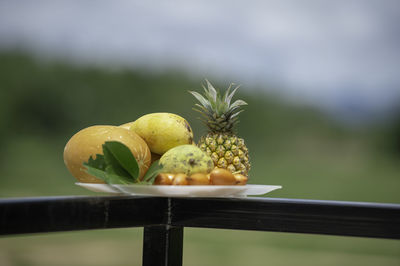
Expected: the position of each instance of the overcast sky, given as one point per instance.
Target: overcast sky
(342, 54)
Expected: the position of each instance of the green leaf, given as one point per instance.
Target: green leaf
(227, 92)
(153, 171)
(112, 165)
(238, 103)
(121, 159)
(201, 99)
(116, 166)
(117, 179)
(95, 168)
(229, 97)
(98, 163)
(98, 168)
(106, 177)
(211, 90)
(236, 114)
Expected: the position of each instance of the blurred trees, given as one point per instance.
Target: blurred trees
(55, 99)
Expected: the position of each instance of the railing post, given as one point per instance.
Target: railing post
(162, 245)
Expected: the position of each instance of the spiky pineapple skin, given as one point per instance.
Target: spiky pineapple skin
(227, 151)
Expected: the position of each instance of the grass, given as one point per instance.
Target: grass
(202, 247)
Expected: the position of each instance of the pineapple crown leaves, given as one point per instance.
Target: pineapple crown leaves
(218, 113)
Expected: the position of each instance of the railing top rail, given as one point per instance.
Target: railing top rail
(49, 214)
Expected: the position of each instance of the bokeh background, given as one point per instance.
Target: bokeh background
(322, 80)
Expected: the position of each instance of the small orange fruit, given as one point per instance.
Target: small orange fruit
(180, 180)
(164, 179)
(220, 176)
(241, 180)
(198, 179)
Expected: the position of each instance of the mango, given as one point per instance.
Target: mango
(162, 131)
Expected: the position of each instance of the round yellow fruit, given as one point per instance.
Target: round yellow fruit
(162, 131)
(88, 142)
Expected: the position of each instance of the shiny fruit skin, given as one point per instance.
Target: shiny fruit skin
(127, 125)
(220, 176)
(198, 179)
(180, 180)
(88, 142)
(162, 131)
(187, 159)
(164, 179)
(241, 180)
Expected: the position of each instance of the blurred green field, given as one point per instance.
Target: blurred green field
(43, 103)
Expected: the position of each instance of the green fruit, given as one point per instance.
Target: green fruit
(187, 159)
(162, 131)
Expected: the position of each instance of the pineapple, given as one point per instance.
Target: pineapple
(220, 116)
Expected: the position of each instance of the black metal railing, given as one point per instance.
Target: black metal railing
(163, 219)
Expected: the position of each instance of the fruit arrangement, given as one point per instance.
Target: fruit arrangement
(158, 148)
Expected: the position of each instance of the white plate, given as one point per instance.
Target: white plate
(182, 191)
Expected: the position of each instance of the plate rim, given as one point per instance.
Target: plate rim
(236, 189)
